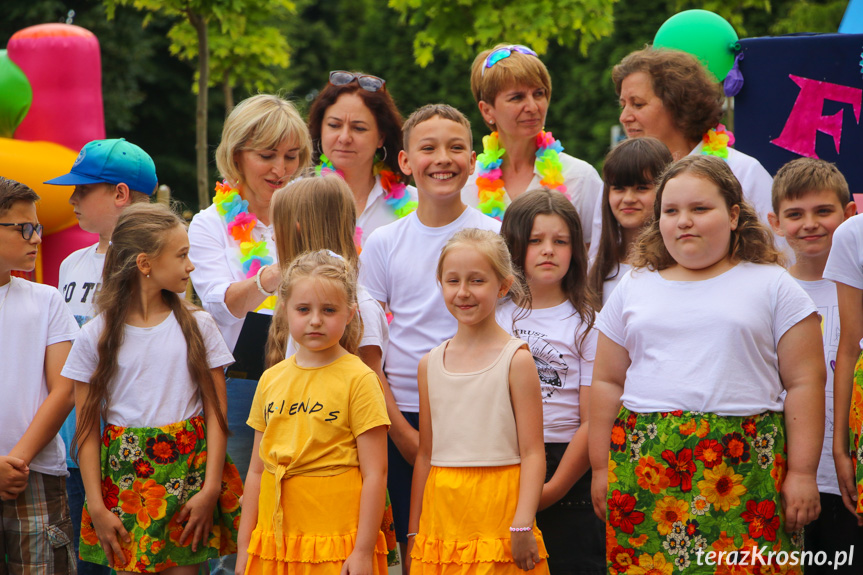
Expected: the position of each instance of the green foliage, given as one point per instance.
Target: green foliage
(244, 48)
(807, 16)
(464, 27)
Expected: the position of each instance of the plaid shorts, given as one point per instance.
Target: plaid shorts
(36, 531)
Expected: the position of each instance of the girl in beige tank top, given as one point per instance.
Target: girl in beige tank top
(472, 501)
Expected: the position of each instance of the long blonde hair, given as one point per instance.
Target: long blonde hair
(142, 228)
(309, 215)
(750, 242)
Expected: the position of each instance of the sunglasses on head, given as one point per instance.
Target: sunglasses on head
(27, 229)
(505, 52)
(367, 82)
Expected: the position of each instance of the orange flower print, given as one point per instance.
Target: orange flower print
(778, 471)
(651, 565)
(232, 489)
(722, 487)
(186, 441)
(669, 511)
(109, 493)
(709, 452)
(736, 448)
(651, 475)
(638, 541)
(146, 500)
(162, 449)
(762, 519)
(621, 559)
(688, 428)
(618, 436)
(175, 530)
(88, 532)
(612, 476)
(855, 416)
(621, 512)
(703, 429)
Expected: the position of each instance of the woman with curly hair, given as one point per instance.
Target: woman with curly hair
(669, 95)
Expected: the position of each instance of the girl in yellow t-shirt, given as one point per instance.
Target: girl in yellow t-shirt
(317, 477)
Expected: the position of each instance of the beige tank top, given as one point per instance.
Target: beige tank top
(473, 424)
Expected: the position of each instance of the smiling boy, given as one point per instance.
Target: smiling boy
(398, 269)
(810, 199)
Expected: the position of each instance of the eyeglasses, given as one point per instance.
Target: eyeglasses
(27, 229)
(366, 82)
(503, 53)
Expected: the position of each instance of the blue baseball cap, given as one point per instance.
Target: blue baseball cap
(112, 162)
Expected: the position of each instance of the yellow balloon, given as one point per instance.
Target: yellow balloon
(32, 163)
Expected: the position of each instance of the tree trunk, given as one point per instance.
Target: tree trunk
(228, 90)
(200, 25)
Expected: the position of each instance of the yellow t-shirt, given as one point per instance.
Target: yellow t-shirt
(311, 417)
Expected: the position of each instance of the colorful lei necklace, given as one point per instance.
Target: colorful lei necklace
(254, 255)
(716, 142)
(395, 192)
(490, 184)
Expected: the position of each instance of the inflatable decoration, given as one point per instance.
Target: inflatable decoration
(50, 106)
(705, 35)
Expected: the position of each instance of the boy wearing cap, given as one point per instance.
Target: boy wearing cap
(108, 175)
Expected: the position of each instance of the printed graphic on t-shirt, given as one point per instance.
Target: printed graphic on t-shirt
(549, 361)
(85, 294)
(298, 408)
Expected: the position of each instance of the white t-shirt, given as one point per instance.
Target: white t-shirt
(32, 317)
(152, 386)
(580, 178)
(398, 265)
(609, 284)
(217, 265)
(80, 280)
(757, 184)
(378, 212)
(823, 293)
(376, 332)
(552, 335)
(845, 262)
(706, 345)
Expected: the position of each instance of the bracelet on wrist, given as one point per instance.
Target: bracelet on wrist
(411, 535)
(521, 529)
(259, 284)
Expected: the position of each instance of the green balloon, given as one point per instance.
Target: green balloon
(16, 95)
(705, 35)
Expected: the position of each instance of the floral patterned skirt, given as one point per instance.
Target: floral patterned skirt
(683, 484)
(148, 474)
(855, 425)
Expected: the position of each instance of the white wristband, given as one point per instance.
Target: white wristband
(258, 282)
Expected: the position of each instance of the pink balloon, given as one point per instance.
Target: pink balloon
(63, 65)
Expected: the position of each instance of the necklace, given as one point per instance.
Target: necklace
(490, 184)
(716, 142)
(395, 192)
(234, 211)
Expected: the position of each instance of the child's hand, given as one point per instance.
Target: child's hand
(110, 531)
(13, 477)
(847, 483)
(800, 500)
(599, 492)
(358, 563)
(199, 513)
(525, 553)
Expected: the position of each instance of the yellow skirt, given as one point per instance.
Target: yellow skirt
(465, 521)
(319, 526)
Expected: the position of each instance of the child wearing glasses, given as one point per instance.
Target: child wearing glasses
(108, 176)
(36, 333)
(397, 267)
(512, 88)
(356, 131)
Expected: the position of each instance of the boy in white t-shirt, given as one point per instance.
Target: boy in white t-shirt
(36, 333)
(810, 200)
(108, 175)
(397, 267)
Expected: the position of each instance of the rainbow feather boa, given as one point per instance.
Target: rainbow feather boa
(395, 192)
(716, 142)
(234, 211)
(490, 184)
